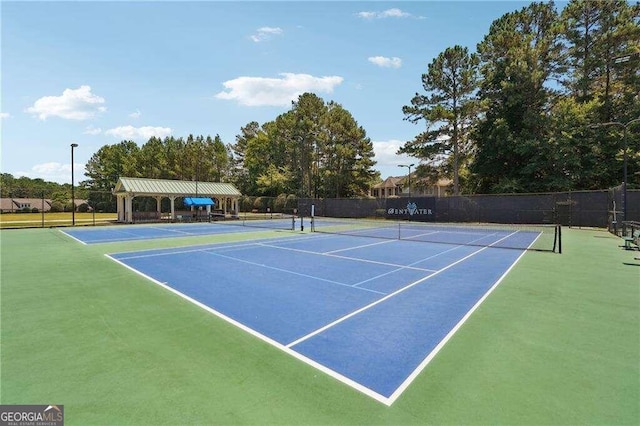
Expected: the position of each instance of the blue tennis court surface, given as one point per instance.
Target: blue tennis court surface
(371, 313)
(145, 232)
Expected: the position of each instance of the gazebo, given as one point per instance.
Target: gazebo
(225, 195)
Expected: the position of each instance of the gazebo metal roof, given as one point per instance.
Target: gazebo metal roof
(179, 188)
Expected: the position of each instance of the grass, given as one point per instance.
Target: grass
(35, 220)
(556, 343)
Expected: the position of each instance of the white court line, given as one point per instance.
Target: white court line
(202, 247)
(170, 252)
(350, 382)
(158, 237)
(440, 345)
(388, 401)
(411, 264)
(396, 394)
(313, 277)
(358, 247)
(72, 237)
(389, 296)
(357, 259)
(120, 231)
(422, 235)
(170, 230)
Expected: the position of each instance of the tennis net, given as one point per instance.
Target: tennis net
(263, 220)
(522, 237)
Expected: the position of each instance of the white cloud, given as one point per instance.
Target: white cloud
(73, 104)
(90, 130)
(55, 172)
(389, 13)
(139, 133)
(385, 62)
(263, 91)
(135, 114)
(265, 33)
(4, 115)
(386, 158)
(52, 169)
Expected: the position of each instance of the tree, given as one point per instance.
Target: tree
(345, 155)
(595, 34)
(240, 174)
(448, 108)
(153, 161)
(520, 56)
(319, 148)
(307, 114)
(221, 156)
(106, 166)
(274, 181)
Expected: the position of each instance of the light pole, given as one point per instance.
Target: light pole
(624, 126)
(73, 196)
(409, 167)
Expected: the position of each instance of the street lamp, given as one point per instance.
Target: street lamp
(624, 126)
(409, 167)
(73, 198)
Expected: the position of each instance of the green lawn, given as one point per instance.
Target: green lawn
(557, 342)
(34, 220)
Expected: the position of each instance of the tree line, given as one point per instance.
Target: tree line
(521, 113)
(316, 149)
(516, 115)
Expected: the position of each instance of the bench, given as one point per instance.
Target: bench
(217, 216)
(633, 240)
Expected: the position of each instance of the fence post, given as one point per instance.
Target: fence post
(42, 209)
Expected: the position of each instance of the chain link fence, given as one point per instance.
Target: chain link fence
(600, 209)
(573, 208)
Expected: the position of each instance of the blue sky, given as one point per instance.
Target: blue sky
(95, 73)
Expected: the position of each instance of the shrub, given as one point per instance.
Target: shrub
(280, 203)
(261, 204)
(56, 207)
(246, 204)
(292, 203)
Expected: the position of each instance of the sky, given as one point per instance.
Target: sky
(97, 73)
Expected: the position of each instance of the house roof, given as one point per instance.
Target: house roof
(7, 204)
(398, 180)
(391, 181)
(13, 203)
(143, 186)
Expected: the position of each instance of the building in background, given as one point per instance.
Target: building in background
(397, 186)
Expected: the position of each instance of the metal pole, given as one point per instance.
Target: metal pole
(42, 209)
(624, 172)
(624, 126)
(410, 182)
(409, 179)
(73, 197)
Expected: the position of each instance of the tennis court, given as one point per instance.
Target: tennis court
(371, 313)
(556, 341)
(121, 233)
